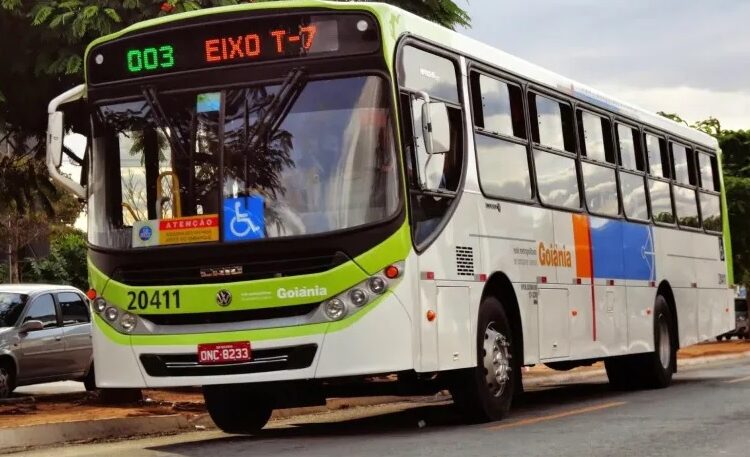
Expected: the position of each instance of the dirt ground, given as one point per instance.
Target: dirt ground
(87, 406)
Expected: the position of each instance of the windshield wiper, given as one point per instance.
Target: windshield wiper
(279, 107)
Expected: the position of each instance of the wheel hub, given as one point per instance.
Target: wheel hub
(665, 345)
(496, 360)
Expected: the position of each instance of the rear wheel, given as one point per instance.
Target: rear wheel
(237, 408)
(652, 370)
(485, 392)
(7, 381)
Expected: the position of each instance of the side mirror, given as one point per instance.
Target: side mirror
(55, 133)
(436, 127)
(55, 138)
(31, 326)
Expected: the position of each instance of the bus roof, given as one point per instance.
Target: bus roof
(398, 22)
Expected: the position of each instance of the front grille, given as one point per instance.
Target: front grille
(224, 317)
(190, 273)
(263, 360)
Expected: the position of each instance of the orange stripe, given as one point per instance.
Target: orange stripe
(572, 412)
(583, 245)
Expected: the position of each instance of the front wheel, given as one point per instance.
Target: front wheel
(237, 409)
(485, 392)
(6, 380)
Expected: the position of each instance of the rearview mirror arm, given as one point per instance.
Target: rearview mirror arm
(54, 117)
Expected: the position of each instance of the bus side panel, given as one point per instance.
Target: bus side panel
(675, 263)
(715, 307)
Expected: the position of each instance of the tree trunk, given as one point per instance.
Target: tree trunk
(12, 257)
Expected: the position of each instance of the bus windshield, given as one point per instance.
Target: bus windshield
(289, 159)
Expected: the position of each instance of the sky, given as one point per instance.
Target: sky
(688, 57)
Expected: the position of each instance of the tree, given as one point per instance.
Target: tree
(66, 263)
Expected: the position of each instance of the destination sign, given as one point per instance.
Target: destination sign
(230, 42)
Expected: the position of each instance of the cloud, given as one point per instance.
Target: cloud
(645, 48)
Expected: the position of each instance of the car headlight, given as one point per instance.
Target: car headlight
(358, 297)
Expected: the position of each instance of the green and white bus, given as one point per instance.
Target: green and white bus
(294, 200)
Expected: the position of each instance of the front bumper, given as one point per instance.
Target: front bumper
(378, 339)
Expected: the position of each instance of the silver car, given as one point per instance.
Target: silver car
(45, 336)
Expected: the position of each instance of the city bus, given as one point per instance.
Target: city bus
(289, 201)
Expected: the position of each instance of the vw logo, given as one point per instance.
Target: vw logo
(223, 297)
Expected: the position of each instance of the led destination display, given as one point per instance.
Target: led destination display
(230, 42)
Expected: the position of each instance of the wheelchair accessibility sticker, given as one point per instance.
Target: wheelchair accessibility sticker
(244, 218)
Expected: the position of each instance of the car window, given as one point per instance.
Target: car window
(42, 309)
(73, 308)
(11, 306)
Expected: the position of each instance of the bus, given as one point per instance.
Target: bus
(294, 200)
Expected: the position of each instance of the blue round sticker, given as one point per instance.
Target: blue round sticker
(145, 233)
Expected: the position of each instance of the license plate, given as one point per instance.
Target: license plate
(224, 352)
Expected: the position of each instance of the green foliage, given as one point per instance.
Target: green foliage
(66, 263)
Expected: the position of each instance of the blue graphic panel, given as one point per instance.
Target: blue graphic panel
(208, 102)
(244, 218)
(638, 248)
(606, 244)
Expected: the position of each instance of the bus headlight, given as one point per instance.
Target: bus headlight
(377, 285)
(334, 309)
(128, 322)
(358, 297)
(111, 314)
(100, 305)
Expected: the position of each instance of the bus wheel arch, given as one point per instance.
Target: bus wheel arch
(665, 290)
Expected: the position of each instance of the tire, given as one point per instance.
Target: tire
(237, 409)
(485, 392)
(89, 382)
(7, 381)
(652, 370)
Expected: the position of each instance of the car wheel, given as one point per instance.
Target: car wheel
(89, 382)
(485, 392)
(237, 408)
(651, 370)
(6, 380)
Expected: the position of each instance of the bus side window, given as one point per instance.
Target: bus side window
(420, 71)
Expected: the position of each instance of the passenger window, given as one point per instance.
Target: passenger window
(634, 196)
(498, 107)
(73, 308)
(42, 309)
(553, 127)
(423, 71)
(686, 206)
(707, 164)
(557, 180)
(681, 158)
(711, 212)
(657, 156)
(596, 137)
(503, 168)
(661, 201)
(629, 146)
(600, 187)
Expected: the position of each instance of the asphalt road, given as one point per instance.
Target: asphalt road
(706, 412)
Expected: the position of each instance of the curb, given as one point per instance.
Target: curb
(20, 438)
